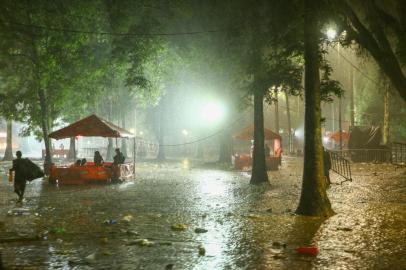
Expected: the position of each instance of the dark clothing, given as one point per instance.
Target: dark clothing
(98, 160)
(17, 168)
(19, 180)
(118, 159)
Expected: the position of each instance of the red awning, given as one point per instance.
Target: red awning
(91, 126)
(248, 134)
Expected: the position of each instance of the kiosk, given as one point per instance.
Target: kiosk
(91, 126)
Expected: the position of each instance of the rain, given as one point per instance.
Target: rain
(202, 134)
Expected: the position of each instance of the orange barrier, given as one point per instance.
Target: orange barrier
(73, 174)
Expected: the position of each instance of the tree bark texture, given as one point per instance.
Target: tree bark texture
(259, 172)
(8, 154)
(45, 130)
(313, 198)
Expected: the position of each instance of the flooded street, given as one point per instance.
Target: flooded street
(159, 221)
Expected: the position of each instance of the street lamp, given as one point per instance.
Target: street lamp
(331, 33)
(212, 112)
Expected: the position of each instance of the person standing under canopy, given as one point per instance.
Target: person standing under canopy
(98, 159)
(119, 157)
(117, 160)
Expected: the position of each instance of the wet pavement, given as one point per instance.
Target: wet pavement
(151, 223)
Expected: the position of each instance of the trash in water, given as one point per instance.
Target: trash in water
(202, 251)
(200, 230)
(142, 242)
(179, 227)
(110, 222)
(18, 212)
(312, 251)
(91, 258)
(127, 218)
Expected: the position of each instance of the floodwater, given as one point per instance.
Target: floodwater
(248, 227)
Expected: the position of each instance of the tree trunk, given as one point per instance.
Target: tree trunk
(340, 122)
(276, 112)
(8, 154)
(72, 149)
(109, 155)
(313, 198)
(124, 141)
(289, 122)
(352, 85)
(161, 150)
(259, 172)
(226, 147)
(45, 130)
(386, 115)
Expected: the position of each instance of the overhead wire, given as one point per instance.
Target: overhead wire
(131, 34)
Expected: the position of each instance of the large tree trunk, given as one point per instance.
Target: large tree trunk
(313, 198)
(289, 122)
(386, 116)
(8, 154)
(259, 172)
(45, 130)
(226, 147)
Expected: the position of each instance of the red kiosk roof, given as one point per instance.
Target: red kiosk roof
(248, 134)
(91, 126)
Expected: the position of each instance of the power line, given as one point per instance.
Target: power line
(357, 68)
(88, 32)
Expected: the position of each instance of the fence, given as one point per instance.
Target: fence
(382, 155)
(398, 153)
(340, 165)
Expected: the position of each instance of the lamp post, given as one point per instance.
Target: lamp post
(332, 35)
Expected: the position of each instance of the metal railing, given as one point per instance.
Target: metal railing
(398, 153)
(340, 165)
(382, 155)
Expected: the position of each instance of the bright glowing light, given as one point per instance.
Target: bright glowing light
(185, 132)
(212, 112)
(331, 33)
(132, 130)
(325, 139)
(141, 133)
